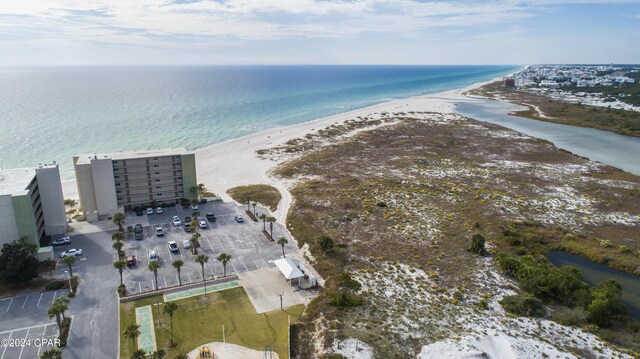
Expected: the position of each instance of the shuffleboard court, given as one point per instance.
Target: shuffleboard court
(199, 291)
(147, 337)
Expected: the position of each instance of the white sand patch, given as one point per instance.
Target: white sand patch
(353, 349)
(231, 351)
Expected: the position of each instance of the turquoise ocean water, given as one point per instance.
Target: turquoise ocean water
(51, 114)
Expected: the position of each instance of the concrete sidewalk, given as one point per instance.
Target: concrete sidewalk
(264, 285)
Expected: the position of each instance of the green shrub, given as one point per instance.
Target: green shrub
(348, 282)
(343, 299)
(605, 302)
(478, 244)
(55, 285)
(569, 316)
(523, 305)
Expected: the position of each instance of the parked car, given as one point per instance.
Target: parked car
(186, 244)
(61, 241)
(176, 221)
(149, 211)
(73, 252)
(159, 231)
(173, 246)
(159, 210)
(194, 207)
(203, 223)
(187, 220)
(211, 217)
(139, 212)
(239, 219)
(131, 261)
(153, 256)
(138, 233)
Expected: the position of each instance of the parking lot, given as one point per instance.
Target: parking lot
(25, 318)
(248, 247)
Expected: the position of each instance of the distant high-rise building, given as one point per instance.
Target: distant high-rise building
(31, 204)
(113, 182)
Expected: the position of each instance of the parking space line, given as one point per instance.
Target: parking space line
(41, 339)
(234, 268)
(54, 297)
(189, 275)
(5, 348)
(25, 302)
(38, 305)
(8, 309)
(210, 246)
(245, 266)
(21, 349)
(139, 287)
(165, 281)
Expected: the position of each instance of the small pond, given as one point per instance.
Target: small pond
(593, 273)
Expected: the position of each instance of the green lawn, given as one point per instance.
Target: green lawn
(199, 320)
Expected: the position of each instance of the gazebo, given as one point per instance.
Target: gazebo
(289, 268)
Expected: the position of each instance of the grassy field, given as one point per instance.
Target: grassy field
(199, 320)
(620, 121)
(266, 195)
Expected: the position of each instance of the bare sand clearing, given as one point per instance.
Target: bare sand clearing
(231, 351)
(225, 165)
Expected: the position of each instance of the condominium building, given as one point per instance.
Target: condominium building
(31, 204)
(113, 182)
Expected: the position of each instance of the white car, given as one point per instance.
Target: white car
(149, 211)
(186, 244)
(159, 210)
(153, 256)
(173, 246)
(203, 223)
(159, 231)
(176, 221)
(73, 252)
(194, 207)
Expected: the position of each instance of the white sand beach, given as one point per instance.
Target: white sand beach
(225, 165)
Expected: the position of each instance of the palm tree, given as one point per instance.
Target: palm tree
(170, 308)
(271, 220)
(31, 248)
(119, 265)
(69, 261)
(64, 302)
(201, 189)
(254, 208)
(56, 310)
(153, 266)
(202, 259)
(224, 258)
(118, 219)
(117, 245)
(177, 264)
(138, 354)
(118, 236)
(263, 217)
(194, 242)
(282, 241)
(158, 354)
(132, 332)
(248, 199)
(53, 353)
(195, 214)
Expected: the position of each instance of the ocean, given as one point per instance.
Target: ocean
(51, 114)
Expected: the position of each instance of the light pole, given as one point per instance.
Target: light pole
(280, 294)
(69, 279)
(157, 305)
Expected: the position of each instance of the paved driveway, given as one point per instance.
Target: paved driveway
(94, 330)
(249, 248)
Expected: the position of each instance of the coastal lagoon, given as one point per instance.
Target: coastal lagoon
(51, 114)
(607, 147)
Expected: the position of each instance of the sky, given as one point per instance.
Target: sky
(199, 32)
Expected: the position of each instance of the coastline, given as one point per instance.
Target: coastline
(222, 166)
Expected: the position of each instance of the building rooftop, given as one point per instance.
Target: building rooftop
(84, 159)
(16, 180)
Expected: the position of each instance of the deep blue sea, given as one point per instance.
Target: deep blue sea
(49, 114)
